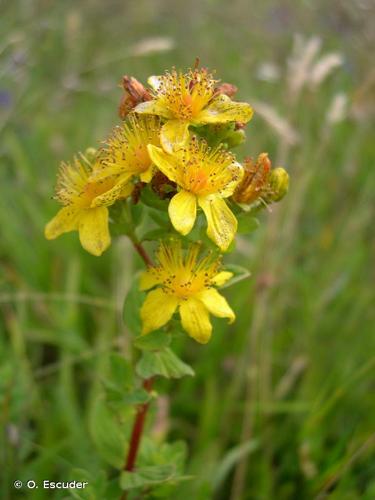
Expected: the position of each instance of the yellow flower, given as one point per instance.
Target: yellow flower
(204, 176)
(185, 282)
(189, 99)
(85, 205)
(125, 154)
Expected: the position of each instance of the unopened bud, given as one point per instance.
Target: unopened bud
(278, 184)
(90, 154)
(135, 93)
(235, 138)
(254, 181)
(227, 89)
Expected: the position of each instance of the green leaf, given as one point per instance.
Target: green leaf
(132, 306)
(246, 223)
(94, 490)
(239, 273)
(151, 199)
(164, 363)
(161, 218)
(147, 476)
(121, 375)
(152, 341)
(154, 234)
(107, 434)
(137, 397)
(151, 475)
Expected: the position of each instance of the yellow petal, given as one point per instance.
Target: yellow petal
(109, 197)
(183, 211)
(237, 172)
(93, 230)
(221, 278)
(216, 304)
(174, 135)
(223, 110)
(126, 190)
(195, 320)
(153, 107)
(166, 163)
(148, 280)
(222, 224)
(157, 310)
(64, 221)
(147, 175)
(154, 82)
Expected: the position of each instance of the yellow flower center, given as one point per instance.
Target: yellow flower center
(93, 189)
(204, 171)
(185, 95)
(142, 158)
(196, 180)
(126, 149)
(183, 275)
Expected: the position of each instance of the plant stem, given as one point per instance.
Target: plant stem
(142, 252)
(138, 429)
(142, 409)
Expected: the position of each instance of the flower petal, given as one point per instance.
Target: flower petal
(157, 310)
(64, 221)
(109, 197)
(153, 107)
(126, 190)
(174, 135)
(148, 279)
(221, 278)
(195, 320)
(166, 163)
(183, 211)
(223, 110)
(93, 230)
(222, 224)
(216, 304)
(237, 173)
(154, 82)
(147, 175)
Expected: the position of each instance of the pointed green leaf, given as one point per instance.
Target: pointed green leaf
(246, 223)
(107, 434)
(152, 475)
(132, 306)
(152, 341)
(239, 273)
(163, 362)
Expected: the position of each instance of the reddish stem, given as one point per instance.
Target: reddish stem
(142, 409)
(142, 252)
(138, 429)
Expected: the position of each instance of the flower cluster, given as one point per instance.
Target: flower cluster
(177, 132)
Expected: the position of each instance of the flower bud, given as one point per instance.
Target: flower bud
(135, 93)
(90, 154)
(235, 138)
(278, 184)
(255, 180)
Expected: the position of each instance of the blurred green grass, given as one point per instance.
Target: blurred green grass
(292, 377)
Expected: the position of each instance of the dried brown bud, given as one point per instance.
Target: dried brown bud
(227, 89)
(136, 193)
(135, 92)
(162, 186)
(255, 180)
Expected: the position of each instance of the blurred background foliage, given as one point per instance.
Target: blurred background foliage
(281, 404)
